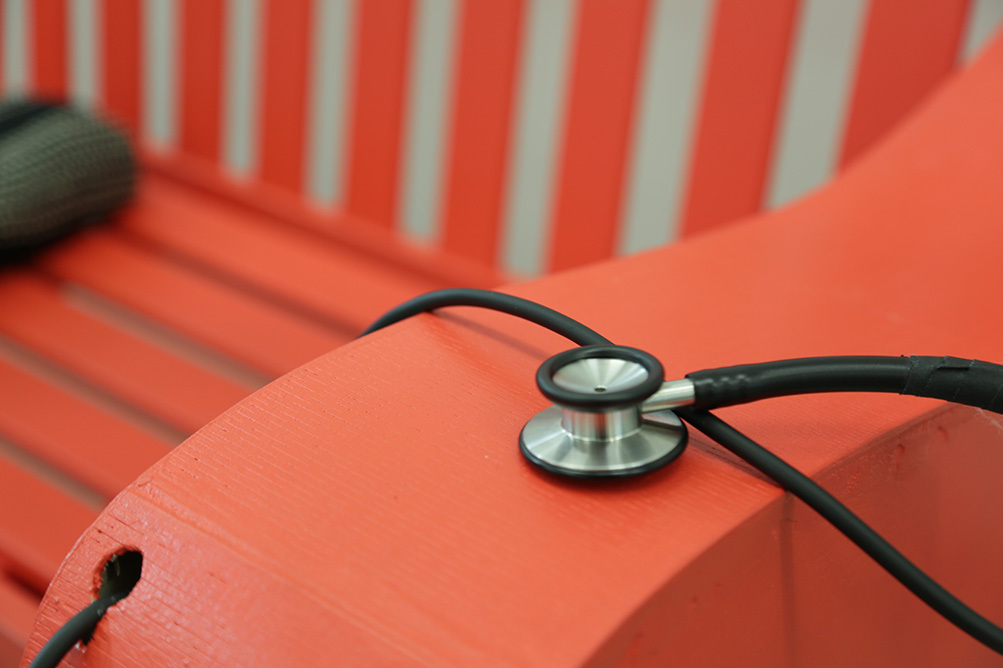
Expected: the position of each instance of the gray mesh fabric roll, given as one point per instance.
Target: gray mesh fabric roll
(59, 169)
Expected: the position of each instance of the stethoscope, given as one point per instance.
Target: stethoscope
(614, 415)
(611, 414)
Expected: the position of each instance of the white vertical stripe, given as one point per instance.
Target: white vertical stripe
(536, 136)
(812, 119)
(16, 47)
(331, 67)
(160, 95)
(984, 18)
(240, 116)
(84, 53)
(431, 78)
(677, 41)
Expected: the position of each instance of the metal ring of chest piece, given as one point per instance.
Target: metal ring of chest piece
(596, 429)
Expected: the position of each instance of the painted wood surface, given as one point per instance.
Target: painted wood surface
(746, 72)
(121, 341)
(372, 507)
(499, 129)
(903, 56)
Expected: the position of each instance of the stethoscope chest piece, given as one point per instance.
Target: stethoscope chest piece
(596, 428)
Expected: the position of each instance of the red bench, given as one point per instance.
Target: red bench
(372, 506)
(122, 341)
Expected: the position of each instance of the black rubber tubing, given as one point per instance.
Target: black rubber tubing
(851, 526)
(79, 627)
(949, 378)
(496, 301)
(953, 379)
(962, 381)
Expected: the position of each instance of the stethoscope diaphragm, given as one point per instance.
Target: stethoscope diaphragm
(596, 427)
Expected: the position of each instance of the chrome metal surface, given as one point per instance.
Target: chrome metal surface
(672, 394)
(656, 441)
(600, 426)
(597, 375)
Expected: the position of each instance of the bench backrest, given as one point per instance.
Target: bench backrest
(527, 135)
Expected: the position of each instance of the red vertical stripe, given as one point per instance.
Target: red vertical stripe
(382, 34)
(742, 86)
(48, 57)
(908, 47)
(201, 76)
(287, 50)
(600, 114)
(122, 57)
(489, 39)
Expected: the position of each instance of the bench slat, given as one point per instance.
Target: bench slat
(742, 87)
(381, 36)
(38, 525)
(17, 615)
(310, 272)
(254, 332)
(479, 140)
(121, 59)
(904, 55)
(49, 32)
(101, 451)
(33, 313)
(598, 126)
(287, 46)
(200, 76)
(354, 234)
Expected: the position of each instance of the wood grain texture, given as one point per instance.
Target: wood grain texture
(110, 326)
(372, 507)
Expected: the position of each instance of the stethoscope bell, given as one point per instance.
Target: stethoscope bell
(596, 427)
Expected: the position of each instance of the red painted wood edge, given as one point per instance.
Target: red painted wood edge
(907, 49)
(597, 130)
(746, 69)
(375, 499)
(479, 140)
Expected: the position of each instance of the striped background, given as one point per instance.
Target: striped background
(500, 129)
